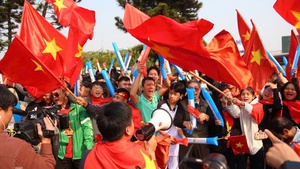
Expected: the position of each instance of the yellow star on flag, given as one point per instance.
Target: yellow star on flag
(256, 56)
(297, 16)
(149, 163)
(38, 66)
(52, 48)
(239, 145)
(80, 48)
(59, 4)
(163, 51)
(228, 126)
(246, 36)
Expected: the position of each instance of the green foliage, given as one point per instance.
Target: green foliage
(107, 56)
(181, 11)
(10, 18)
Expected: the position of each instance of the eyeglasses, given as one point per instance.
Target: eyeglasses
(197, 89)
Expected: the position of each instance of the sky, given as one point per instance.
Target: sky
(222, 13)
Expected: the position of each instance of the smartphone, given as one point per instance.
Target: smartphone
(260, 136)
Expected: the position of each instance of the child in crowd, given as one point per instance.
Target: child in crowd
(250, 114)
(172, 106)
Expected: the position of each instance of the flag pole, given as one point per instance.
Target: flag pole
(71, 93)
(200, 78)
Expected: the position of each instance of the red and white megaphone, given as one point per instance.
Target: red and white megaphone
(161, 120)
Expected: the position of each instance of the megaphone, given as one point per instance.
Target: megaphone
(160, 120)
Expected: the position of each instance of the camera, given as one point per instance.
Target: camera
(27, 128)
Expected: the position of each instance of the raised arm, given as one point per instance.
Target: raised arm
(135, 86)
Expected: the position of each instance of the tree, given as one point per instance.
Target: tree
(10, 18)
(181, 11)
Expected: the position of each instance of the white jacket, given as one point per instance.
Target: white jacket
(248, 124)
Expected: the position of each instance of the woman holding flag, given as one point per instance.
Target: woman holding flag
(250, 114)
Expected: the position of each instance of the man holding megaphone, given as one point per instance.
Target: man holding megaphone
(114, 150)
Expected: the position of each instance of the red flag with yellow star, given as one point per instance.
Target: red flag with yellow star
(118, 154)
(239, 144)
(63, 10)
(293, 46)
(223, 50)
(21, 65)
(289, 10)
(81, 28)
(244, 30)
(180, 44)
(42, 39)
(257, 61)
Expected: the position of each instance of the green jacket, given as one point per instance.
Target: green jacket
(83, 135)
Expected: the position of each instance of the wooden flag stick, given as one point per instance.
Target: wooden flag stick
(71, 93)
(198, 77)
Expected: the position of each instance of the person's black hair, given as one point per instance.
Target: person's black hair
(147, 78)
(279, 123)
(113, 120)
(296, 89)
(250, 89)
(178, 87)
(7, 98)
(155, 68)
(99, 76)
(106, 93)
(86, 78)
(87, 84)
(119, 90)
(123, 78)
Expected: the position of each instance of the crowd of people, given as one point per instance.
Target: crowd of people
(101, 128)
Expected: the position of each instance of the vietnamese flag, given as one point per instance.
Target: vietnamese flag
(81, 29)
(293, 46)
(21, 65)
(230, 65)
(180, 44)
(63, 10)
(244, 30)
(239, 144)
(42, 39)
(289, 10)
(162, 150)
(118, 154)
(258, 62)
